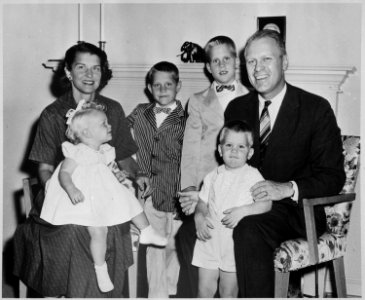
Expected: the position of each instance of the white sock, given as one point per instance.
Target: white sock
(150, 236)
(103, 279)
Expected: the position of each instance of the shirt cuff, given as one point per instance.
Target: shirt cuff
(296, 192)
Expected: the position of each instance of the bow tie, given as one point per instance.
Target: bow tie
(158, 110)
(220, 88)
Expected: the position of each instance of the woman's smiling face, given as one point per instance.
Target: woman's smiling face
(85, 73)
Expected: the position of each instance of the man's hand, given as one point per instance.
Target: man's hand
(144, 185)
(270, 190)
(203, 226)
(189, 198)
(233, 216)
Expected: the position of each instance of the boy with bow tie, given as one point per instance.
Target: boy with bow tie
(199, 157)
(158, 129)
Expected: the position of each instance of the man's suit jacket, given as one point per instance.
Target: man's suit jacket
(159, 151)
(206, 119)
(304, 145)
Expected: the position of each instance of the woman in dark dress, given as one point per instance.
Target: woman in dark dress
(56, 260)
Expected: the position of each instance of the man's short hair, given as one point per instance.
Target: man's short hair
(270, 34)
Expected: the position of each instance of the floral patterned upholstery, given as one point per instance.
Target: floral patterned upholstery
(294, 254)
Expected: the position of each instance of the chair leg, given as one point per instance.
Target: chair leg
(316, 294)
(326, 276)
(22, 290)
(340, 279)
(281, 284)
(309, 282)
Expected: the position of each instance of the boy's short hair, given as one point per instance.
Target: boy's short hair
(73, 131)
(219, 40)
(236, 126)
(270, 34)
(163, 66)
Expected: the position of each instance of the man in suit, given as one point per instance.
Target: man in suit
(297, 148)
(199, 157)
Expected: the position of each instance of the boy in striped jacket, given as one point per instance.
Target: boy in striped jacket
(158, 130)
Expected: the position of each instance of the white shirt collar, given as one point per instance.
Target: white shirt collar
(225, 96)
(278, 98)
(162, 116)
(222, 169)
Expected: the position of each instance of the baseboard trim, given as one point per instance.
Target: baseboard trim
(353, 287)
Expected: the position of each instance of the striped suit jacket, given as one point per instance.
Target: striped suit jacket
(159, 151)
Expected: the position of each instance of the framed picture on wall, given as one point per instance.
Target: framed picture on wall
(274, 23)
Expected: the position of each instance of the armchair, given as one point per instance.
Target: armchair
(330, 247)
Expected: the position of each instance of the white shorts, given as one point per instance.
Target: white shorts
(217, 253)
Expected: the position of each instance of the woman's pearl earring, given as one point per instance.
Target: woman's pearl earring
(68, 75)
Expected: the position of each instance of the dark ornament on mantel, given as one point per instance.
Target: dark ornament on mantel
(192, 52)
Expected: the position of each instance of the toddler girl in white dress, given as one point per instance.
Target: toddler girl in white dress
(84, 188)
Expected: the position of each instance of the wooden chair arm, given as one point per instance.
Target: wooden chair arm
(308, 206)
(329, 200)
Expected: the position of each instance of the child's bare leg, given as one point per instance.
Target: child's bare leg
(208, 282)
(148, 234)
(98, 244)
(141, 221)
(228, 286)
(98, 250)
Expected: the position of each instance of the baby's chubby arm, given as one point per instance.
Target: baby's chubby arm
(235, 214)
(202, 222)
(67, 168)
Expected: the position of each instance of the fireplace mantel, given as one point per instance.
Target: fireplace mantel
(334, 76)
(129, 81)
(326, 81)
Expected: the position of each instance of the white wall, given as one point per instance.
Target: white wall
(318, 34)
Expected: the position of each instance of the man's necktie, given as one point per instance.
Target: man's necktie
(158, 110)
(265, 129)
(220, 88)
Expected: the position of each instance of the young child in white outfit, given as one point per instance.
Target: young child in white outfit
(224, 199)
(84, 188)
